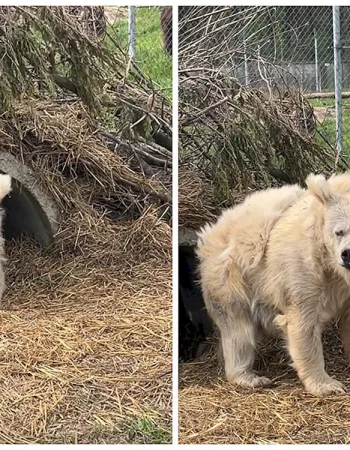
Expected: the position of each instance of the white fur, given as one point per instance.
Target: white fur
(275, 261)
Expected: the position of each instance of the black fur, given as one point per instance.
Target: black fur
(166, 22)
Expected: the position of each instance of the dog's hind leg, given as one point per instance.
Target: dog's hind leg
(238, 341)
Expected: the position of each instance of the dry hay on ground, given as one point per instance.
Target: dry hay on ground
(196, 199)
(212, 411)
(323, 113)
(86, 324)
(115, 13)
(62, 142)
(86, 338)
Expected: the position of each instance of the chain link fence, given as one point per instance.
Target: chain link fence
(145, 33)
(274, 48)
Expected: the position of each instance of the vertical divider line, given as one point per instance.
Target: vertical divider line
(175, 233)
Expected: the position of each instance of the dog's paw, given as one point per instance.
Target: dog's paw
(261, 382)
(251, 380)
(328, 387)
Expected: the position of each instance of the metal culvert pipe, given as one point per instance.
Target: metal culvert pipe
(29, 208)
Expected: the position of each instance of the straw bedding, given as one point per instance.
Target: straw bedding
(196, 199)
(85, 340)
(213, 411)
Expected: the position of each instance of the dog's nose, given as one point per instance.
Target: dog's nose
(345, 255)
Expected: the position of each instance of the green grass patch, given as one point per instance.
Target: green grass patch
(326, 128)
(151, 57)
(317, 102)
(144, 430)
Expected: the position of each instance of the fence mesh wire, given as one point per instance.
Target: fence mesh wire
(145, 33)
(269, 48)
(150, 36)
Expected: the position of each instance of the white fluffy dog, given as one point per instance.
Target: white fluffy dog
(280, 262)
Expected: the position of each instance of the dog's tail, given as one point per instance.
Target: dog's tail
(5, 186)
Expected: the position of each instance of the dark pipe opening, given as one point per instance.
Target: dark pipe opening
(194, 323)
(25, 217)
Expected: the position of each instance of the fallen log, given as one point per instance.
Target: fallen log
(316, 95)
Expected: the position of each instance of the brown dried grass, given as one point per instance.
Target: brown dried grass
(85, 342)
(196, 199)
(213, 411)
(61, 140)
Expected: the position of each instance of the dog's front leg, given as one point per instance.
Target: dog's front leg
(305, 346)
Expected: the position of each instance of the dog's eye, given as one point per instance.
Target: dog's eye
(339, 233)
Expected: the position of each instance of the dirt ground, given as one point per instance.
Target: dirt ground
(85, 343)
(212, 411)
(323, 113)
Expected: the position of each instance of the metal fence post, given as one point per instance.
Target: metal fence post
(317, 73)
(246, 72)
(132, 31)
(338, 79)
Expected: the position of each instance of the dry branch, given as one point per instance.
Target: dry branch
(240, 138)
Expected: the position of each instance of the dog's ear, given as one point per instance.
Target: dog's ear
(319, 187)
(5, 186)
